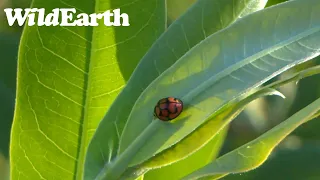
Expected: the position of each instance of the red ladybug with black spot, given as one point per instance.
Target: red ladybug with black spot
(168, 108)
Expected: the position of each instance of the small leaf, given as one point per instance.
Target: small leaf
(254, 153)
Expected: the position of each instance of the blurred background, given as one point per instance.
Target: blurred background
(296, 158)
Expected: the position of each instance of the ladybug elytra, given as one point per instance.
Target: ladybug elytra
(168, 108)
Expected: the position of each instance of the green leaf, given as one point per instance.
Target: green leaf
(203, 19)
(274, 2)
(254, 153)
(209, 131)
(199, 139)
(140, 178)
(208, 77)
(198, 159)
(204, 133)
(67, 79)
(301, 161)
(294, 78)
(176, 8)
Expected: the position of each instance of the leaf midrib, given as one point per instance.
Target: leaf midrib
(84, 113)
(246, 61)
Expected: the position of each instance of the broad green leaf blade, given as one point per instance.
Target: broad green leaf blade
(67, 78)
(210, 76)
(204, 18)
(198, 159)
(254, 153)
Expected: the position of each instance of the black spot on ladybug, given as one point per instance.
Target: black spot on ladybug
(168, 108)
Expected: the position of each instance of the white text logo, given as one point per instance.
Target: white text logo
(64, 17)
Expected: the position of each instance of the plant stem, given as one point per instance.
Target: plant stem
(298, 76)
(114, 170)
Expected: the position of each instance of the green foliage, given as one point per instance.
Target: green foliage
(254, 153)
(67, 79)
(207, 153)
(196, 160)
(274, 2)
(225, 76)
(176, 8)
(210, 69)
(214, 57)
(307, 91)
(204, 18)
(298, 163)
(199, 137)
(214, 123)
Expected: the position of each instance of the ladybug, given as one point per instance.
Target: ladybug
(168, 108)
